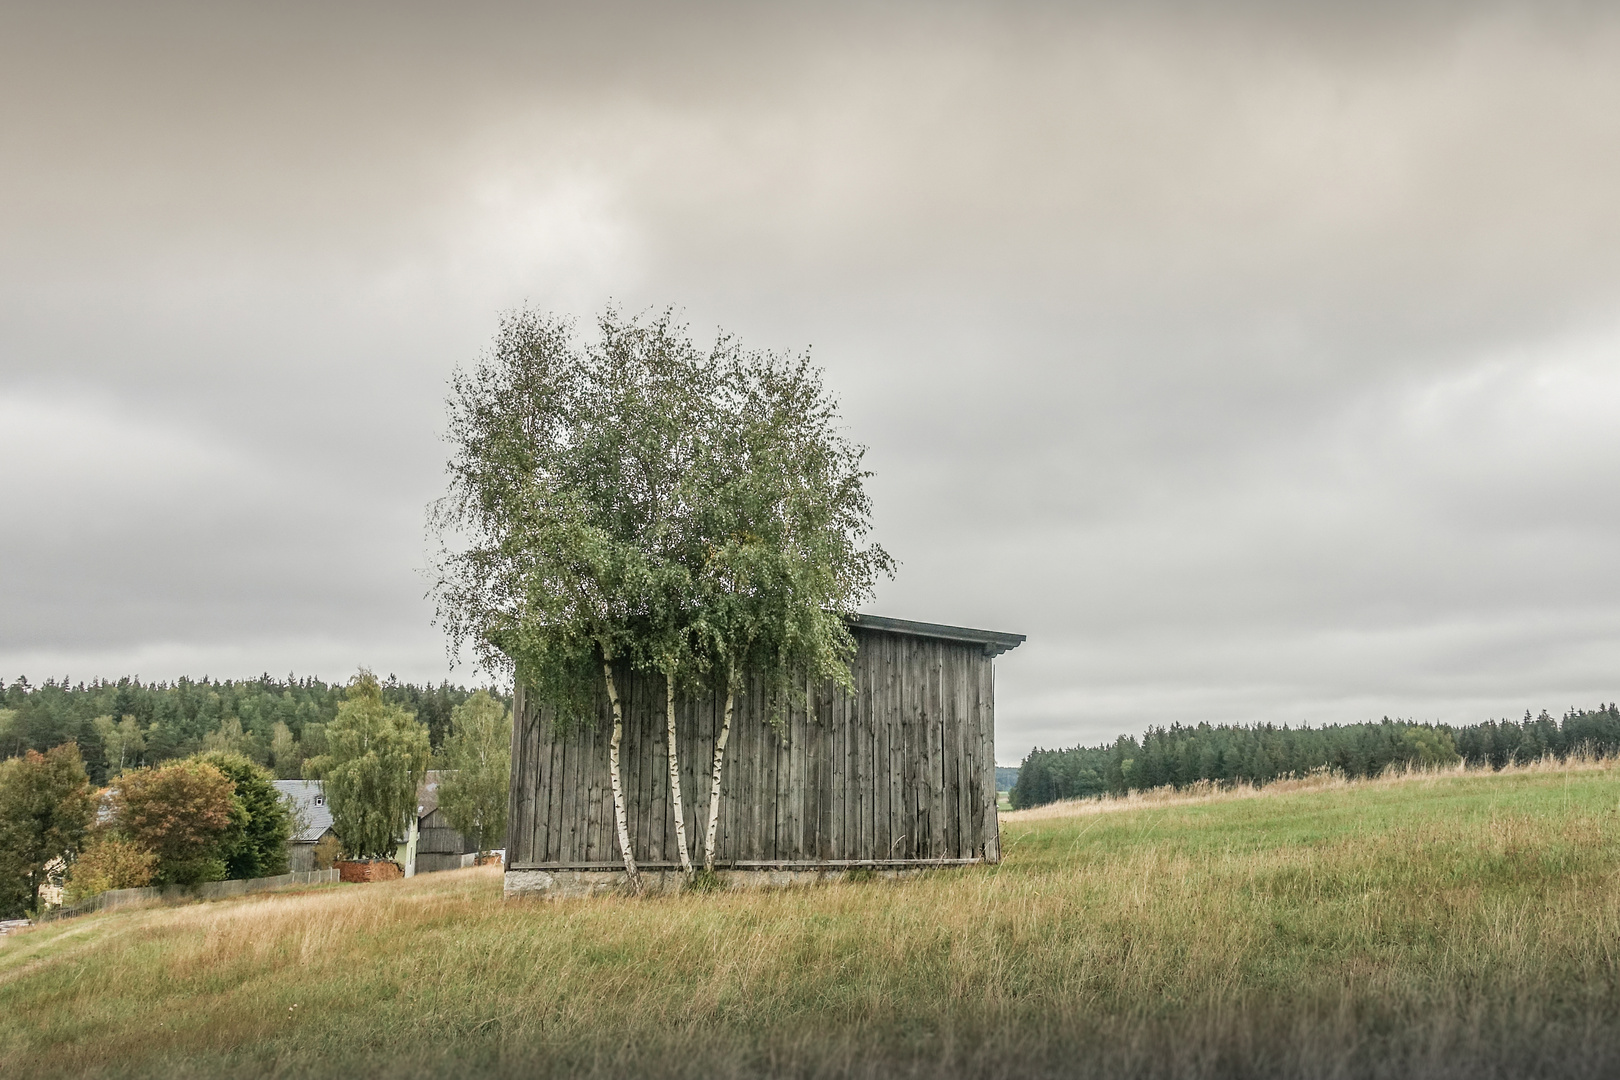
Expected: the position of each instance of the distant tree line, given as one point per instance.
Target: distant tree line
(126, 724)
(1179, 756)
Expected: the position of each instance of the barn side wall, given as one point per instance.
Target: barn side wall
(902, 770)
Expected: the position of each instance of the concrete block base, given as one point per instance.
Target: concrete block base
(577, 884)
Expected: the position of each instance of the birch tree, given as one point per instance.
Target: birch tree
(477, 759)
(376, 756)
(783, 512)
(563, 554)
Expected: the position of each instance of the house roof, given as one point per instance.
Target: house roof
(995, 642)
(309, 797)
(427, 793)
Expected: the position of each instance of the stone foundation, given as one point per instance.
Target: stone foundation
(577, 884)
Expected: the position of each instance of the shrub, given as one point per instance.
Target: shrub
(257, 847)
(109, 862)
(181, 813)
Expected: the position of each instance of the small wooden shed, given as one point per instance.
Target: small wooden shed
(438, 845)
(899, 774)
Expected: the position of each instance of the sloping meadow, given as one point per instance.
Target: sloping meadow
(1444, 925)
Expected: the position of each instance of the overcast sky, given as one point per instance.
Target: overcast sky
(1260, 362)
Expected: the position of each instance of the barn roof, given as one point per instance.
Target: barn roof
(995, 642)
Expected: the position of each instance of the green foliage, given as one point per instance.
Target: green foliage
(286, 755)
(46, 808)
(376, 755)
(561, 485)
(256, 846)
(636, 498)
(109, 861)
(186, 813)
(151, 723)
(781, 511)
(1178, 756)
(477, 759)
(229, 739)
(122, 742)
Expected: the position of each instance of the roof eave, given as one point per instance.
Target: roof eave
(995, 642)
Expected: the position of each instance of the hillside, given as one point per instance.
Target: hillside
(1458, 924)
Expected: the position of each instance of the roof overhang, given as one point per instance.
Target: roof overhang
(995, 642)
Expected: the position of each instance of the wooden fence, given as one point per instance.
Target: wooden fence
(901, 771)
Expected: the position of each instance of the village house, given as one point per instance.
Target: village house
(313, 845)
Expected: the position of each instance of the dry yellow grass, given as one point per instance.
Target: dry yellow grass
(1438, 924)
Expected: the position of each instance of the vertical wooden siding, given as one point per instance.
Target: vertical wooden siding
(900, 770)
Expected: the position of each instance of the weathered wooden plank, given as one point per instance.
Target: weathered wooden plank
(857, 775)
(742, 732)
(657, 784)
(793, 847)
(836, 769)
(766, 792)
(537, 769)
(868, 778)
(555, 749)
(584, 781)
(585, 792)
(963, 760)
(906, 695)
(820, 768)
(781, 783)
(992, 828)
(518, 827)
(854, 778)
(541, 753)
(896, 777)
(866, 682)
(986, 761)
(759, 792)
(950, 760)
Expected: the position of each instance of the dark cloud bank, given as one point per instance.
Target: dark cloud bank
(1259, 363)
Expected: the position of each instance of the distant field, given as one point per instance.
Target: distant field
(1449, 925)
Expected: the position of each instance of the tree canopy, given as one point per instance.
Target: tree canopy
(46, 808)
(182, 813)
(256, 846)
(376, 756)
(126, 723)
(477, 763)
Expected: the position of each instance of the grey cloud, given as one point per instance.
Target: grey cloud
(1255, 360)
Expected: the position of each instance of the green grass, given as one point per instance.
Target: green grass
(1455, 925)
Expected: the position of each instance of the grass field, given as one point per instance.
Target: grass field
(1442, 925)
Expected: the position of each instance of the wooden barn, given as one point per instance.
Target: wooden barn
(899, 774)
(438, 845)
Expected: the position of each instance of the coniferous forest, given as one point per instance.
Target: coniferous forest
(1258, 754)
(277, 723)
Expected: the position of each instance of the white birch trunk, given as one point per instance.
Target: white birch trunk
(619, 820)
(675, 779)
(714, 780)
